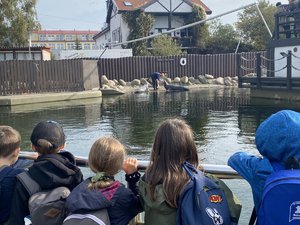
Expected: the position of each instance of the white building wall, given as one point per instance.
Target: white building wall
(108, 53)
(102, 41)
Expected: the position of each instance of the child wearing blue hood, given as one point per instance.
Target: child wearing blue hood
(277, 139)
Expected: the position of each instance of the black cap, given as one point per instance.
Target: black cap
(50, 131)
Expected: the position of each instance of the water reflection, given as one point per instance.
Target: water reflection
(224, 121)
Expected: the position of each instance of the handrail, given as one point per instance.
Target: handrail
(221, 171)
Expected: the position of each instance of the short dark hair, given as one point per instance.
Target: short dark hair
(10, 140)
(48, 137)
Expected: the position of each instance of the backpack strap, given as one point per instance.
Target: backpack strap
(253, 218)
(30, 184)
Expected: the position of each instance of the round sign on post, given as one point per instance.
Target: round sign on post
(182, 61)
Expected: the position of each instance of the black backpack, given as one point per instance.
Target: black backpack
(99, 217)
(204, 202)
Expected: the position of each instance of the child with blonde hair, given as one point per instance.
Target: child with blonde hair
(103, 191)
(10, 141)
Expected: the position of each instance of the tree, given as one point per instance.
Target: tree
(252, 26)
(164, 45)
(139, 24)
(199, 33)
(17, 19)
(77, 45)
(222, 38)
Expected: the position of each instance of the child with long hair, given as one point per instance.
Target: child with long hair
(102, 191)
(165, 178)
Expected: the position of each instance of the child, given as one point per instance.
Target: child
(164, 178)
(53, 167)
(102, 190)
(10, 140)
(277, 140)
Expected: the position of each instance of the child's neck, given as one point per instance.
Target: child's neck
(5, 162)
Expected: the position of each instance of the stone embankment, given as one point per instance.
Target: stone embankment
(191, 82)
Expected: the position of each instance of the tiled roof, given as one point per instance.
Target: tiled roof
(129, 5)
(65, 32)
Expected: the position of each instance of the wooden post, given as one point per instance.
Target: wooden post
(289, 71)
(258, 70)
(238, 70)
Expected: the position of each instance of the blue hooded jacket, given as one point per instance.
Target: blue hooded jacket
(276, 139)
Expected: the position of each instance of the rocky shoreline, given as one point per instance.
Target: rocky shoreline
(190, 82)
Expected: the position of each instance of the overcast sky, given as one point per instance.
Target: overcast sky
(90, 14)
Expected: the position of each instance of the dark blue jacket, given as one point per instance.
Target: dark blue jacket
(122, 204)
(7, 186)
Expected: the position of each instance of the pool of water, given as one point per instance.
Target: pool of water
(224, 121)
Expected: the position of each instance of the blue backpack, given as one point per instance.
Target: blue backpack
(280, 203)
(204, 202)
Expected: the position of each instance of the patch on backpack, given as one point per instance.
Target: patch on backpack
(214, 215)
(294, 211)
(215, 198)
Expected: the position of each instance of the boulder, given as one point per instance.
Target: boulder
(143, 81)
(208, 76)
(202, 79)
(219, 81)
(122, 82)
(104, 80)
(135, 82)
(176, 80)
(184, 80)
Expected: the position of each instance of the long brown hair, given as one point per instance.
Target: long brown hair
(106, 156)
(173, 144)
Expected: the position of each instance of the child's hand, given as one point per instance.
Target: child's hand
(130, 165)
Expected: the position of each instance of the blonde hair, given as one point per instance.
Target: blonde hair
(106, 156)
(173, 144)
(10, 140)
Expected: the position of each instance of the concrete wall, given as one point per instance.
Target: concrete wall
(90, 75)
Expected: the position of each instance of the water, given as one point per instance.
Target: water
(224, 121)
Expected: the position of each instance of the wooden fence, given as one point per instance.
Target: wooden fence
(19, 77)
(218, 65)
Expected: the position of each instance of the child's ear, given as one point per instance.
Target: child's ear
(61, 147)
(16, 152)
(33, 147)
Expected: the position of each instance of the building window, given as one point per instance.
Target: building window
(84, 37)
(42, 37)
(69, 37)
(60, 37)
(60, 46)
(87, 46)
(52, 46)
(70, 46)
(51, 37)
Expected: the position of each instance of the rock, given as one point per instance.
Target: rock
(116, 81)
(176, 80)
(104, 80)
(227, 82)
(111, 83)
(169, 80)
(122, 82)
(219, 81)
(207, 76)
(192, 80)
(143, 81)
(135, 82)
(202, 79)
(184, 80)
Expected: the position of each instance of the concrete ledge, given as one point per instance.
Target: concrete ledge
(47, 97)
(276, 94)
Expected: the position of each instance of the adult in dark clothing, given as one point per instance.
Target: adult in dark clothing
(10, 141)
(53, 168)
(155, 78)
(102, 190)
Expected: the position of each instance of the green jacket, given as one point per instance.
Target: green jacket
(156, 212)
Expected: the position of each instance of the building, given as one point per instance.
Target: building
(33, 53)
(58, 40)
(167, 14)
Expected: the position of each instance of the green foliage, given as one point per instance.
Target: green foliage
(77, 44)
(164, 45)
(199, 32)
(222, 38)
(252, 26)
(139, 24)
(17, 20)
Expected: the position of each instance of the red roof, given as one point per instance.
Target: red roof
(75, 32)
(136, 4)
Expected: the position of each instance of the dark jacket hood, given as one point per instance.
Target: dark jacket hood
(278, 137)
(53, 170)
(83, 199)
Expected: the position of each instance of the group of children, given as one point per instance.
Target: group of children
(156, 192)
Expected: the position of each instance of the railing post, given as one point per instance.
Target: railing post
(289, 71)
(258, 69)
(238, 69)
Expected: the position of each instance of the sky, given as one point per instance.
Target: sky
(91, 14)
